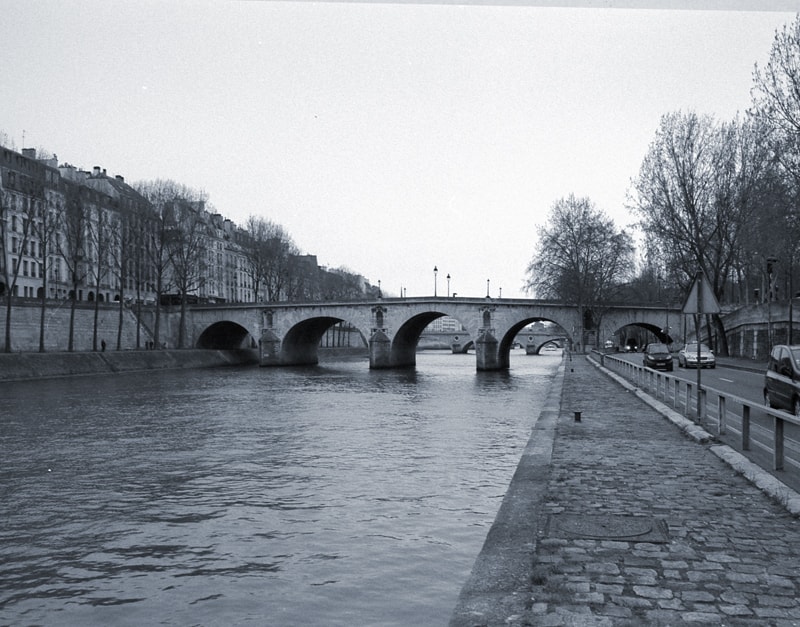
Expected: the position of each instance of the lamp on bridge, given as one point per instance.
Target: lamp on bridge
(379, 289)
(448, 285)
(487, 289)
(435, 273)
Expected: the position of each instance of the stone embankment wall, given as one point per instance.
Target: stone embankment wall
(753, 330)
(25, 324)
(22, 366)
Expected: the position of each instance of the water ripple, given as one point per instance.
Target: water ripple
(330, 495)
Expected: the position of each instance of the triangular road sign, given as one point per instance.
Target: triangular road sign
(701, 299)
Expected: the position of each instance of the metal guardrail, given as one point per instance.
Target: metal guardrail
(720, 411)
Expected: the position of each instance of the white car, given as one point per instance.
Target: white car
(687, 357)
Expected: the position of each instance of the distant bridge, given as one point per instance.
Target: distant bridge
(461, 342)
(289, 334)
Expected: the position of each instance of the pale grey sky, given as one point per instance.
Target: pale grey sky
(387, 138)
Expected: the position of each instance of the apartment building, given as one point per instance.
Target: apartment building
(65, 231)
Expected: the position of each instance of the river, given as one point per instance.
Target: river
(330, 495)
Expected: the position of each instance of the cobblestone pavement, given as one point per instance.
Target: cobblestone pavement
(626, 520)
(730, 555)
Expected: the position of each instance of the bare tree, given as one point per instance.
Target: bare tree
(776, 106)
(339, 284)
(72, 249)
(695, 193)
(269, 250)
(280, 250)
(776, 98)
(98, 263)
(581, 258)
(158, 229)
(17, 215)
(259, 233)
(188, 242)
(7, 140)
(46, 230)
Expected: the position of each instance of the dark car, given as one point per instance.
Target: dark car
(782, 380)
(657, 356)
(631, 345)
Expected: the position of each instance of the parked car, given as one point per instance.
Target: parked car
(782, 379)
(687, 357)
(657, 356)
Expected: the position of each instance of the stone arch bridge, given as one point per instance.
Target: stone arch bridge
(289, 333)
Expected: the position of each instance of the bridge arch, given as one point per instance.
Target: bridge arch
(406, 338)
(225, 335)
(300, 344)
(659, 333)
(507, 340)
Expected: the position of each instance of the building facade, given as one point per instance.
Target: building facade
(68, 232)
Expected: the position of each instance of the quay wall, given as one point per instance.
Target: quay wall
(26, 366)
(753, 330)
(25, 324)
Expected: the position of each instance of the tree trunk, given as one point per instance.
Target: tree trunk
(722, 347)
(181, 324)
(120, 319)
(157, 323)
(43, 310)
(8, 322)
(96, 315)
(70, 341)
(138, 317)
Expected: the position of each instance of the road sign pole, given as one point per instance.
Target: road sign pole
(699, 369)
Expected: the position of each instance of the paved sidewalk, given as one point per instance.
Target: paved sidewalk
(623, 519)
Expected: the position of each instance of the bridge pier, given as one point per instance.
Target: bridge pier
(380, 350)
(272, 351)
(486, 355)
(383, 355)
(269, 349)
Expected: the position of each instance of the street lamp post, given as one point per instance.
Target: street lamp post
(501, 292)
(435, 273)
(487, 289)
(448, 285)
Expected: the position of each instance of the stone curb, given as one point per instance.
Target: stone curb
(491, 594)
(756, 475)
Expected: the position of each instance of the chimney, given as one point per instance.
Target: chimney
(96, 170)
(30, 153)
(120, 178)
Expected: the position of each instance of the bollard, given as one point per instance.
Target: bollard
(577, 416)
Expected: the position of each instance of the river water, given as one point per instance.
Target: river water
(331, 495)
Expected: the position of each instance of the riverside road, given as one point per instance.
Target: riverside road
(622, 518)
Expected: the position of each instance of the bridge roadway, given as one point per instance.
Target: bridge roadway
(288, 334)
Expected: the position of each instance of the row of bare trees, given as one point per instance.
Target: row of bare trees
(278, 271)
(163, 243)
(155, 245)
(718, 197)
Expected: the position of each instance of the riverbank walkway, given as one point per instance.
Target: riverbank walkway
(628, 518)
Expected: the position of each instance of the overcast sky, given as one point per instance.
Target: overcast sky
(386, 138)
